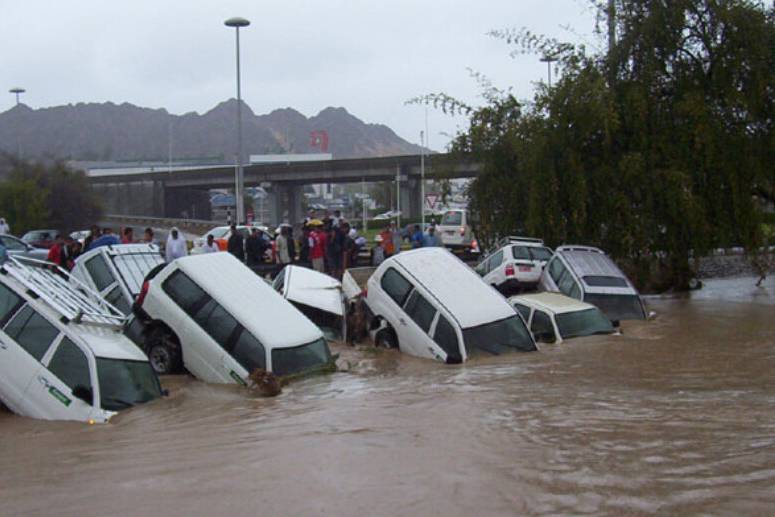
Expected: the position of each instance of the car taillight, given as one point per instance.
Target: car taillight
(143, 292)
(510, 270)
(462, 230)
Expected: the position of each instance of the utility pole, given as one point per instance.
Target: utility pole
(611, 27)
(422, 180)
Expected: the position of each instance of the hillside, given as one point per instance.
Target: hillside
(126, 132)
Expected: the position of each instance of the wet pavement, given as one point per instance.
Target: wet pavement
(673, 417)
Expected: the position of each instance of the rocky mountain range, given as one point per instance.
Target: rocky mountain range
(126, 132)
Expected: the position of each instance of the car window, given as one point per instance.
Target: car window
(279, 282)
(396, 286)
(452, 219)
(446, 337)
(70, 365)
(556, 268)
(217, 322)
(542, 327)
(575, 291)
(9, 304)
(481, 269)
(420, 310)
(12, 244)
(524, 311)
(117, 299)
(183, 291)
(32, 331)
(495, 260)
(249, 352)
(520, 252)
(542, 254)
(566, 283)
(99, 272)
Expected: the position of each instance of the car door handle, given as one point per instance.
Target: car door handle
(401, 321)
(3, 346)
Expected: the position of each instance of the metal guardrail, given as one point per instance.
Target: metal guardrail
(198, 226)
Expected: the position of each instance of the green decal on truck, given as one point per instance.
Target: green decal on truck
(61, 397)
(237, 378)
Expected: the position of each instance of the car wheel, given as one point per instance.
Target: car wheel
(387, 338)
(164, 353)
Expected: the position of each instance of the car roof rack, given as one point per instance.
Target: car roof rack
(65, 294)
(503, 241)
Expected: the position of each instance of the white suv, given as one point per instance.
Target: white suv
(429, 304)
(516, 266)
(554, 317)
(62, 353)
(213, 315)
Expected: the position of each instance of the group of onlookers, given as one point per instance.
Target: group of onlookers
(388, 242)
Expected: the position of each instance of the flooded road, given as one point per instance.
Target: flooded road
(676, 416)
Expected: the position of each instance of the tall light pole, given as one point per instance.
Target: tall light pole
(17, 91)
(549, 60)
(422, 180)
(239, 186)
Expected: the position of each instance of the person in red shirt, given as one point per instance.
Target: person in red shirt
(317, 246)
(129, 236)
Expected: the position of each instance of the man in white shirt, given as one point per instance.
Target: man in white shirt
(4, 228)
(176, 246)
(210, 246)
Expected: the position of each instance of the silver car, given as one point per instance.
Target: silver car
(18, 248)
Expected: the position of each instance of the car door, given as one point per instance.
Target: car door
(495, 275)
(413, 330)
(391, 307)
(68, 371)
(17, 368)
(221, 330)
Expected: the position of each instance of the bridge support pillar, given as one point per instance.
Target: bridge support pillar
(285, 204)
(157, 199)
(411, 202)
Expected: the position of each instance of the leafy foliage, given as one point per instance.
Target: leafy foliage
(36, 195)
(652, 150)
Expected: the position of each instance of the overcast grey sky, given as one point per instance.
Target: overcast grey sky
(368, 56)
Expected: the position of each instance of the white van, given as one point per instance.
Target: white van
(317, 295)
(589, 275)
(429, 304)
(455, 231)
(117, 272)
(213, 315)
(62, 353)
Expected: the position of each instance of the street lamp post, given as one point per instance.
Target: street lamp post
(549, 60)
(239, 186)
(17, 91)
(422, 180)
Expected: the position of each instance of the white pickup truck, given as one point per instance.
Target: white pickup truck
(62, 352)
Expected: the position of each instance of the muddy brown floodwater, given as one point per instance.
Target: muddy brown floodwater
(676, 416)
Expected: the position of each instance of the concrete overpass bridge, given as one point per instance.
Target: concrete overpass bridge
(173, 192)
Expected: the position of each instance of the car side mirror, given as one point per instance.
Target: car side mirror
(82, 392)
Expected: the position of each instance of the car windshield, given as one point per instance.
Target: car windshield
(124, 383)
(452, 219)
(499, 337)
(583, 323)
(289, 361)
(617, 306)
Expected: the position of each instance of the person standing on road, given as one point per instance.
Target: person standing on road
(387, 241)
(4, 228)
(255, 247)
(148, 237)
(236, 244)
(106, 239)
(317, 246)
(416, 238)
(176, 246)
(283, 248)
(210, 246)
(431, 240)
(129, 236)
(396, 238)
(377, 252)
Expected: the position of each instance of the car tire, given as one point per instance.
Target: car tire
(386, 338)
(164, 354)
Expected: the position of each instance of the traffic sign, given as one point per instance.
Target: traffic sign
(431, 199)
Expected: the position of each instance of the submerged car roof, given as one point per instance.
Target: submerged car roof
(589, 261)
(455, 285)
(269, 317)
(133, 261)
(554, 302)
(312, 288)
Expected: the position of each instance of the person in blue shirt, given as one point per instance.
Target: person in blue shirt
(431, 240)
(416, 238)
(106, 239)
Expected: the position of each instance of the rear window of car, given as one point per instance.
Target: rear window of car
(605, 281)
(452, 219)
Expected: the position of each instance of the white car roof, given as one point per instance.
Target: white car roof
(589, 261)
(553, 302)
(310, 287)
(456, 286)
(259, 308)
(133, 261)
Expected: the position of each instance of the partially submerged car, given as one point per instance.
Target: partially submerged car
(554, 317)
(62, 353)
(317, 296)
(117, 272)
(516, 265)
(16, 247)
(429, 304)
(213, 315)
(589, 275)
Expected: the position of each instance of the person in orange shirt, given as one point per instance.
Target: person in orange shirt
(387, 241)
